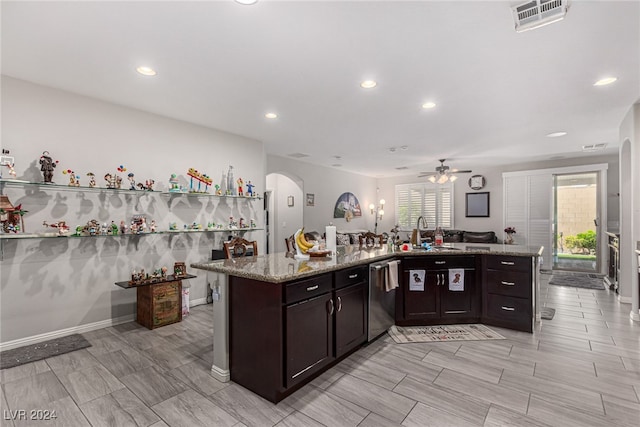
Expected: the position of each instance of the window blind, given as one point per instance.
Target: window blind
(432, 201)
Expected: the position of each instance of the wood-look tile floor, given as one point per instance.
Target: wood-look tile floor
(580, 369)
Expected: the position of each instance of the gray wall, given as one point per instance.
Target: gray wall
(49, 285)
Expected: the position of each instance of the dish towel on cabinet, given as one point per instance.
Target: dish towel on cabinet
(392, 275)
(456, 279)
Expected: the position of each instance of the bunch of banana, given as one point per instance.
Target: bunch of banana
(301, 242)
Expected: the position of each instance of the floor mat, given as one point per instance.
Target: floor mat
(409, 334)
(547, 313)
(31, 353)
(578, 280)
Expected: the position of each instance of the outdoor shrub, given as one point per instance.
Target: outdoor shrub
(585, 242)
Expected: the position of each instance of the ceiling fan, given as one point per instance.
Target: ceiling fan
(443, 174)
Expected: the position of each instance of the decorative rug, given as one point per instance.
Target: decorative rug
(31, 353)
(547, 313)
(577, 280)
(411, 334)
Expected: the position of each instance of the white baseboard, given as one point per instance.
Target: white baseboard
(64, 332)
(624, 300)
(199, 301)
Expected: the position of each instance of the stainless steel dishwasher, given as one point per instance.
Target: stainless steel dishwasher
(382, 303)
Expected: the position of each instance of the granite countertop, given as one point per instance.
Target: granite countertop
(278, 268)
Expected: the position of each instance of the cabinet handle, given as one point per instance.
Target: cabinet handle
(507, 283)
(437, 279)
(330, 307)
(339, 304)
(508, 308)
(312, 288)
(507, 263)
(353, 276)
(440, 262)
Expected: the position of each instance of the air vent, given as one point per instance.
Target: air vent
(594, 147)
(538, 13)
(298, 155)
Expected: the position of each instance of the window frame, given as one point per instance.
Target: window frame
(425, 189)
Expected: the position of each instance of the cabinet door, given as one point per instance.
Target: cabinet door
(458, 303)
(308, 338)
(422, 304)
(351, 317)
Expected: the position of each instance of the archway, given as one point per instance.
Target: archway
(284, 208)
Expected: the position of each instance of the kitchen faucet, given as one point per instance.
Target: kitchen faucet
(418, 234)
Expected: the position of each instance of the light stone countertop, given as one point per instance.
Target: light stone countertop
(278, 268)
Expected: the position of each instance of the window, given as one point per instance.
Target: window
(433, 201)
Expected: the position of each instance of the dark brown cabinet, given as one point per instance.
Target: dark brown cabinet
(437, 302)
(282, 335)
(508, 292)
(308, 337)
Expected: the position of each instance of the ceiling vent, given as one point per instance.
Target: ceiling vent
(538, 13)
(594, 147)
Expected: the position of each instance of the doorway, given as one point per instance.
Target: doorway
(575, 222)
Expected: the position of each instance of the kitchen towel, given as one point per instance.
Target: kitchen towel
(456, 279)
(392, 275)
(416, 280)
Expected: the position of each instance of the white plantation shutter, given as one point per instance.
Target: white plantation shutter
(433, 201)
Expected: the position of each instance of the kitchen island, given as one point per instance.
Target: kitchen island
(279, 322)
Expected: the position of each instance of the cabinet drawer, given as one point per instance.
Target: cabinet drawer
(350, 276)
(297, 291)
(509, 263)
(435, 262)
(511, 283)
(510, 309)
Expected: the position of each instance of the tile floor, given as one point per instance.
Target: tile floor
(580, 369)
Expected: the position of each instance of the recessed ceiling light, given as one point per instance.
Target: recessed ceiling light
(271, 116)
(146, 71)
(247, 2)
(428, 105)
(556, 134)
(605, 81)
(368, 84)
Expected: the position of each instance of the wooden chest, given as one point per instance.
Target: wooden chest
(159, 304)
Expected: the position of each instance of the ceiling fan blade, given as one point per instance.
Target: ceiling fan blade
(423, 174)
(458, 171)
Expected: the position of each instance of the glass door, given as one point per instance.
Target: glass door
(576, 222)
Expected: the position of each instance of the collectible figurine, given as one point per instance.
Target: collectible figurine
(9, 162)
(174, 185)
(253, 223)
(148, 185)
(218, 190)
(79, 230)
(111, 181)
(118, 182)
(123, 227)
(241, 223)
(232, 223)
(114, 228)
(173, 226)
(11, 217)
(74, 180)
(201, 178)
(152, 226)
(92, 179)
(132, 181)
(47, 164)
(211, 226)
(104, 229)
(250, 189)
(230, 185)
(240, 183)
(63, 228)
(133, 228)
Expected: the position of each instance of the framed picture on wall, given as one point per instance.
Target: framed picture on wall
(310, 199)
(477, 204)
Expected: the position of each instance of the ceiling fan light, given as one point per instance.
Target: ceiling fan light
(443, 178)
(453, 178)
(432, 179)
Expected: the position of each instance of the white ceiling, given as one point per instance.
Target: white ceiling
(224, 65)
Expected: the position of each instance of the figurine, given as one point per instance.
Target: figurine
(11, 217)
(230, 181)
(241, 223)
(163, 271)
(132, 181)
(79, 230)
(118, 182)
(104, 229)
(250, 189)
(92, 179)
(74, 180)
(47, 164)
(232, 223)
(218, 190)
(174, 185)
(253, 223)
(133, 228)
(152, 226)
(201, 178)
(211, 226)
(63, 228)
(148, 185)
(9, 162)
(111, 182)
(114, 228)
(123, 227)
(142, 225)
(240, 182)
(173, 226)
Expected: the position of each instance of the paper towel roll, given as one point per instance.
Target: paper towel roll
(330, 238)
